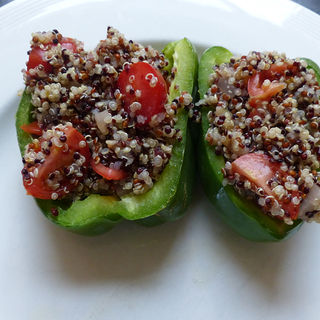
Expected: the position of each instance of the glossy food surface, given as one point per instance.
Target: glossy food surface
(97, 213)
(242, 215)
(196, 267)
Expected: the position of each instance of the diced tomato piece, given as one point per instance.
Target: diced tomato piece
(37, 58)
(257, 91)
(32, 128)
(141, 82)
(58, 159)
(277, 69)
(258, 169)
(69, 44)
(107, 172)
(37, 55)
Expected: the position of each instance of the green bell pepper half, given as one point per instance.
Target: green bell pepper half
(244, 216)
(166, 200)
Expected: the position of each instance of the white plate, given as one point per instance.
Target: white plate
(196, 268)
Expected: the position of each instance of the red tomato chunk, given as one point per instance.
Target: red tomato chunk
(37, 56)
(258, 169)
(32, 128)
(107, 172)
(142, 83)
(51, 177)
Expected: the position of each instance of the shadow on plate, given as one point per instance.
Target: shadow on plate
(127, 252)
(262, 264)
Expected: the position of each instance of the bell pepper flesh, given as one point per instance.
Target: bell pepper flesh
(170, 195)
(244, 216)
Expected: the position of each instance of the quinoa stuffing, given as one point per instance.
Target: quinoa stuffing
(94, 129)
(264, 116)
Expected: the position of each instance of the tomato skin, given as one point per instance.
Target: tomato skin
(258, 92)
(58, 159)
(255, 86)
(107, 172)
(69, 44)
(32, 128)
(152, 86)
(37, 55)
(36, 58)
(258, 169)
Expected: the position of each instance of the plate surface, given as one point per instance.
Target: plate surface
(196, 268)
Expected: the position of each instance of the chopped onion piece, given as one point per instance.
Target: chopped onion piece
(101, 124)
(310, 206)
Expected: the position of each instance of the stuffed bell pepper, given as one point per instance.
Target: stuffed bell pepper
(104, 134)
(260, 141)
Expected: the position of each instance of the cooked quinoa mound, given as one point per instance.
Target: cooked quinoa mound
(80, 91)
(285, 127)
